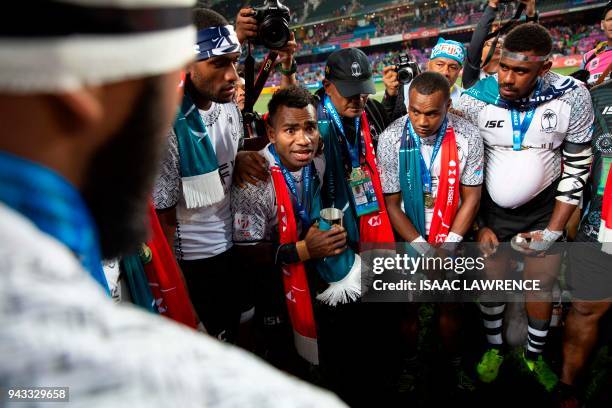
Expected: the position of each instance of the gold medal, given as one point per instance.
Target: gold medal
(429, 200)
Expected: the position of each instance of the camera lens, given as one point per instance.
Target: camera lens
(404, 75)
(274, 33)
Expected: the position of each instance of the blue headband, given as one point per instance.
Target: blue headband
(448, 49)
(215, 41)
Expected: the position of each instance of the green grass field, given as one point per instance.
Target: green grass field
(262, 103)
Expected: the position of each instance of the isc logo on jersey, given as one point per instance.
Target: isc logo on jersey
(607, 110)
(494, 124)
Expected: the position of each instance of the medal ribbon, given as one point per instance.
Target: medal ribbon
(519, 130)
(301, 207)
(425, 170)
(353, 149)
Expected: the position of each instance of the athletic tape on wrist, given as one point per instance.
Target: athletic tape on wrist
(548, 239)
(421, 245)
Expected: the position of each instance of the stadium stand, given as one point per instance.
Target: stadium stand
(412, 26)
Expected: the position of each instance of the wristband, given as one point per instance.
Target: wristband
(551, 236)
(548, 239)
(286, 254)
(287, 72)
(302, 250)
(421, 246)
(452, 237)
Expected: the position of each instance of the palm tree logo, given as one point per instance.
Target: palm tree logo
(549, 121)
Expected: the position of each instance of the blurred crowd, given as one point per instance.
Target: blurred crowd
(570, 39)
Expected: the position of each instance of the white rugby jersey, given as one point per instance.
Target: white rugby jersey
(207, 231)
(469, 151)
(513, 178)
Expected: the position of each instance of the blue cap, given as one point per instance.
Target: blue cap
(448, 49)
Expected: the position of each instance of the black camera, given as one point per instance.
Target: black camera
(406, 69)
(272, 24)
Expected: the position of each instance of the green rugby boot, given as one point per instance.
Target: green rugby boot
(541, 371)
(488, 366)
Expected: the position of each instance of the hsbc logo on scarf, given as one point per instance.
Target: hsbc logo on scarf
(375, 221)
(283, 218)
(452, 179)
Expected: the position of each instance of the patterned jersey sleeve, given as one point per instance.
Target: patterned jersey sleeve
(472, 175)
(239, 126)
(167, 189)
(251, 211)
(580, 128)
(469, 108)
(387, 156)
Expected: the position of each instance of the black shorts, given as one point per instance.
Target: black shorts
(219, 292)
(531, 216)
(590, 271)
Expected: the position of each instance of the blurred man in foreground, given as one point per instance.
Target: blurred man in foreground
(83, 124)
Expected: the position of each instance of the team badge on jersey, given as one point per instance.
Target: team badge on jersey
(549, 121)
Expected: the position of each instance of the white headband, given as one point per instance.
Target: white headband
(59, 63)
(517, 56)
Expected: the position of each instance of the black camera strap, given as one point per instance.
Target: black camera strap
(264, 73)
(498, 33)
(253, 87)
(249, 72)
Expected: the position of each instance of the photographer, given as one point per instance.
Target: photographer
(247, 28)
(446, 59)
(480, 46)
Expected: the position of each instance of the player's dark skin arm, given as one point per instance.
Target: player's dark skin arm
(255, 143)
(470, 202)
(561, 214)
(400, 222)
(320, 244)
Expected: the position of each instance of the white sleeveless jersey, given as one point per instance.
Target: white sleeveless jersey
(512, 177)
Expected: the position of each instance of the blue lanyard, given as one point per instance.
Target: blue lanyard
(425, 170)
(519, 130)
(54, 206)
(353, 149)
(301, 207)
